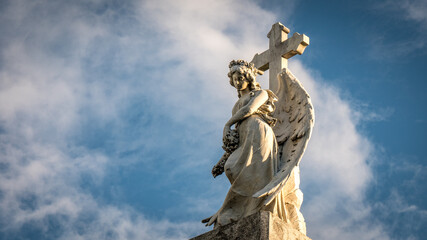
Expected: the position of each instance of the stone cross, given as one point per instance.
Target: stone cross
(280, 50)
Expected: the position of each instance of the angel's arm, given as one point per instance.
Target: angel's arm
(254, 103)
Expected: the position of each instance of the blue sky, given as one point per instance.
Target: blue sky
(111, 114)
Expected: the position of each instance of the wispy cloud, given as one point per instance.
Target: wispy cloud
(411, 23)
(401, 205)
(411, 9)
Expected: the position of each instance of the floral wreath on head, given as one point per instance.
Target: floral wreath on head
(247, 69)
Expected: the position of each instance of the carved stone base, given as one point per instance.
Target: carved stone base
(258, 226)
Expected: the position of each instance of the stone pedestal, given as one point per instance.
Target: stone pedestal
(259, 226)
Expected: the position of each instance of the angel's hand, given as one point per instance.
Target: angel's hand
(217, 170)
(206, 220)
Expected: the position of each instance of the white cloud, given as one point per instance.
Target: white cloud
(66, 64)
(46, 93)
(197, 42)
(335, 168)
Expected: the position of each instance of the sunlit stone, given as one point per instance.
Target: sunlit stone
(271, 130)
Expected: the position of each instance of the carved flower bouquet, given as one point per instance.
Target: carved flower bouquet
(231, 142)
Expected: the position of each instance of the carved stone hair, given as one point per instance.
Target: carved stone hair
(248, 70)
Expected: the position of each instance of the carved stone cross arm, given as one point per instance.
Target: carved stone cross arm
(281, 48)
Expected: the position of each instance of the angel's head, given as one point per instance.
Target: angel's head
(243, 75)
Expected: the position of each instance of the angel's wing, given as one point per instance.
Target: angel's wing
(295, 119)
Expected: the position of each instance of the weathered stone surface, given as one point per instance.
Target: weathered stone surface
(259, 226)
(281, 48)
(271, 130)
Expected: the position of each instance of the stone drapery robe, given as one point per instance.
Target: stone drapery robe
(250, 168)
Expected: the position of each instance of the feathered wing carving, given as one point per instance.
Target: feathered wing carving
(295, 120)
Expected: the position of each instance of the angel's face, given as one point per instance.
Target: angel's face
(239, 81)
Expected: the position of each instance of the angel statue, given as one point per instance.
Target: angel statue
(263, 150)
